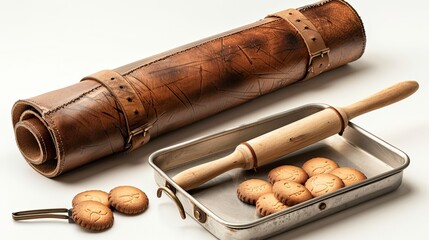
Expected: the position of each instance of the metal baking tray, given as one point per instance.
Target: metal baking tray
(215, 204)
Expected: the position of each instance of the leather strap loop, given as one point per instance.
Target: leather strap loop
(317, 50)
(135, 115)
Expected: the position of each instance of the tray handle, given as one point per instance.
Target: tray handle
(173, 196)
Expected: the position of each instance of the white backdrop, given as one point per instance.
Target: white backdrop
(45, 45)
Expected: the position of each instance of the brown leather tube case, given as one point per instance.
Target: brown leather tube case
(122, 109)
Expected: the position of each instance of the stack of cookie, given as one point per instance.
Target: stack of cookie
(92, 208)
(290, 185)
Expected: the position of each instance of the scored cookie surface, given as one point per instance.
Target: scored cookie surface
(91, 195)
(290, 193)
(92, 216)
(268, 204)
(348, 175)
(250, 190)
(288, 172)
(322, 184)
(128, 200)
(319, 165)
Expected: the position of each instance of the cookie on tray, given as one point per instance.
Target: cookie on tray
(250, 190)
(348, 175)
(319, 165)
(288, 172)
(291, 193)
(268, 204)
(324, 183)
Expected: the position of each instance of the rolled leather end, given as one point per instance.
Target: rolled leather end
(56, 136)
(34, 141)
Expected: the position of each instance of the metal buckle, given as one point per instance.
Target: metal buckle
(315, 55)
(143, 129)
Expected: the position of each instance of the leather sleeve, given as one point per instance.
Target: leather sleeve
(122, 109)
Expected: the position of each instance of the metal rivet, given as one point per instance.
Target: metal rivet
(322, 206)
(199, 215)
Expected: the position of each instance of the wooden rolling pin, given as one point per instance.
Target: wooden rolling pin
(282, 141)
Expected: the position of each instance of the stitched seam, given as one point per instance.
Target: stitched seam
(36, 103)
(72, 101)
(362, 27)
(317, 4)
(61, 147)
(305, 8)
(190, 48)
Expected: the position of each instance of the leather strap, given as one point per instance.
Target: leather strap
(135, 115)
(317, 50)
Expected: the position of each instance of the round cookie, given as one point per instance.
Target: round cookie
(250, 190)
(348, 175)
(323, 183)
(319, 165)
(128, 200)
(291, 193)
(92, 216)
(268, 204)
(288, 172)
(92, 195)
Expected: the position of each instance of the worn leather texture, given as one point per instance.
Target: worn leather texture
(121, 109)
